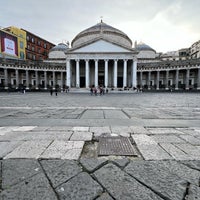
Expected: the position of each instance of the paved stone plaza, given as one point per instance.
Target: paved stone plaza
(49, 146)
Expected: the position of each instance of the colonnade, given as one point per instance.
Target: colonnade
(165, 78)
(133, 75)
(38, 77)
(107, 76)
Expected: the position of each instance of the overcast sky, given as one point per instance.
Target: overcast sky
(165, 25)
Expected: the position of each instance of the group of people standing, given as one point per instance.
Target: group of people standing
(98, 90)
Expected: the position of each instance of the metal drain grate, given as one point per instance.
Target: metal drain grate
(119, 146)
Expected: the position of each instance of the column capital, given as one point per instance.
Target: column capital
(77, 60)
(125, 60)
(106, 60)
(116, 60)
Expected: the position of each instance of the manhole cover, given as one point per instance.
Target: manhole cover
(120, 146)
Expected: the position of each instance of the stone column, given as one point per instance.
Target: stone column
(198, 79)
(134, 73)
(157, 80)
(27, 80)
(87, 80)
(68, 71)
(115, 73)
(166, 80)
(149, 80)
(36, 80)
(187, 79)
(141, 80)
(125, 74)
(6, 78)
(96, 74)
(45, 80)
(61, 77)
(77, 74)
(176, 79)
(106, 74)
(54, 80)
(17, 78)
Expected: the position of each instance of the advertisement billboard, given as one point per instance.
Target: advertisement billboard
(8, 44)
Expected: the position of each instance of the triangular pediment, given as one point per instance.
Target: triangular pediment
(101, 46)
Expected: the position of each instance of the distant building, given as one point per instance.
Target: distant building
(21, 44)
(195, 50)
(100, 55)
(37, 48)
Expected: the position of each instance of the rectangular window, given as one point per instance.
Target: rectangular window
(21, 45)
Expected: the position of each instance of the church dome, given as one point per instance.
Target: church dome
(58, 51)
(145, 51)
(60, 47)
(104, 31)
(144, 47)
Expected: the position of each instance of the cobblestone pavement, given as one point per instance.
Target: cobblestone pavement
(49, 146)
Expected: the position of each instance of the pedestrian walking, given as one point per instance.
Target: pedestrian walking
(51, 92)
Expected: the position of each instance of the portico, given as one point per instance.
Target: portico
(109, 72)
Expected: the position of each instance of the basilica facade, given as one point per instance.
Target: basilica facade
(102, 56)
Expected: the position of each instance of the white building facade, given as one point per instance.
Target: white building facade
(101, 55)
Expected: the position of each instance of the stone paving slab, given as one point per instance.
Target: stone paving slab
(153, 152)
(59, 128)
(69, 180)
(193, 151)
(191, 139)
(8, 146)
(175, 152)
(190, 131)
(62, 149)
(60, 171)
(93, 114)
(122, 186)
(115, 114)
(29, 149)
(35, 187)
(33, 135)
(72, 154)
(81, 136)
(18, 170)
(91, 164)
(180, 170)
(164, 131)
(80, 128)
(121, 129)
(167, 139)
(168, 185)
(81, 187)
(195, 164)
(143, 139)
(193, 193)
(24, 128)
(139, 130)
